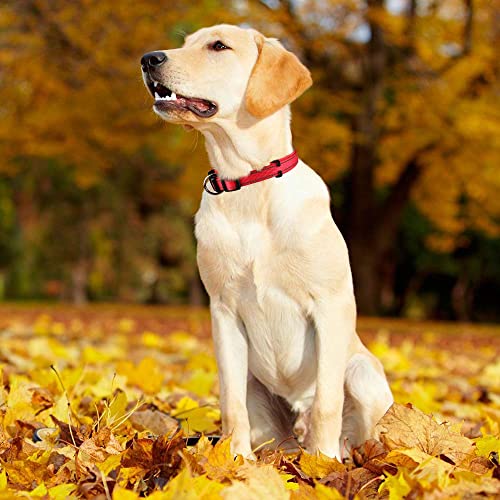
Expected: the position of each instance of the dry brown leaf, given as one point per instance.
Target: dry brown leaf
(167, 455)
(484, 487)
(337, 480)
(139, 454)
(154, 421)
(98, 448)
(368, 451)
(363, 482)
(221, 463)
(407, 427)
(69, 433)
(41, 398)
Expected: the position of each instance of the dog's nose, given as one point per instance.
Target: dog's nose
(153, 59)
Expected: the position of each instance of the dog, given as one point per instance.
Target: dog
(292, 369)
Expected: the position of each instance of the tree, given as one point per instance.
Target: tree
(404, 110)
(99, 183)
(413, 94)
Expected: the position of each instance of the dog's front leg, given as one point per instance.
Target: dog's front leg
(334, 320)
(231, 350)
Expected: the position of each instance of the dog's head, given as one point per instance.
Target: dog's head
(222, 71)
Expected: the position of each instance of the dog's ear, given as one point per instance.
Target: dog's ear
(277, 78)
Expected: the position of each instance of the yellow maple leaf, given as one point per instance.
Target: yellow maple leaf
(325, 493)
(397, 486)
(130, 475)
(221, 463)
(180, 487)
(433, 472)
(259, 482)
(486, 445)
(147, 375)
(111, 463)
(62, 491)
(195, 418)
(200, 382)
(116, 409)
(39, 491)
(19, 405)
(120, 493)
(407, 427)
(318, 466)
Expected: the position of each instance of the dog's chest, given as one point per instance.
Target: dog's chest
(243, 264)
(243, 256)
(232, 255)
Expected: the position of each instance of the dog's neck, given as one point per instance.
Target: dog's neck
(237, 147)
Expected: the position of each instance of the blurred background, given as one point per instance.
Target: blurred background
(97, 194)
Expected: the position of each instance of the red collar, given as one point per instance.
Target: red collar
(275, 169)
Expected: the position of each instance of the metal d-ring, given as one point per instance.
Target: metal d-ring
(207, 178)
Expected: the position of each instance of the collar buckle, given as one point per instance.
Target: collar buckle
(212, 178)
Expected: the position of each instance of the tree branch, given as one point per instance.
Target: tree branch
(389, 214)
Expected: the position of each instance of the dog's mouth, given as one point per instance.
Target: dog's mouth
(167, 100)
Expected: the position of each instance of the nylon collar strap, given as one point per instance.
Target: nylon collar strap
(213, 184)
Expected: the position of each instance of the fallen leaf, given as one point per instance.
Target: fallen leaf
(407, 427)
(319, 465)
(486, 445)
(154, 421)
(98, 448)
(221, 463)
(397, 486)
(258, 483)
(195, 418)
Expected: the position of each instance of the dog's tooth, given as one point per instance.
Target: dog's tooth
(173, 97)
(157, 96)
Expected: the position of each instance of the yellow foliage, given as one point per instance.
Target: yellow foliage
(259, 482)
(195, 418)
(319, 465)
(146, 375)
(397, 486)
(106, 438)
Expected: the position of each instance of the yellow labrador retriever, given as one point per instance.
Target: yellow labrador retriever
(291, 365)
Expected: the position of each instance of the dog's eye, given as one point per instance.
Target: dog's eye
(218, 46)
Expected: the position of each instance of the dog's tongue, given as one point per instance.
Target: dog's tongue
(199, 104)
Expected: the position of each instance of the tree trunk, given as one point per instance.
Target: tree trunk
(372, 227)
(361, 228)
(79, 283)
(365, 272)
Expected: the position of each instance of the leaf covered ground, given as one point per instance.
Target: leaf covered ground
(100, 402)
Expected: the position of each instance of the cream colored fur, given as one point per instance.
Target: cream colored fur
(276, 268)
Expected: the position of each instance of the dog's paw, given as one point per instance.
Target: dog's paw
(241, 447)
(301, 427)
